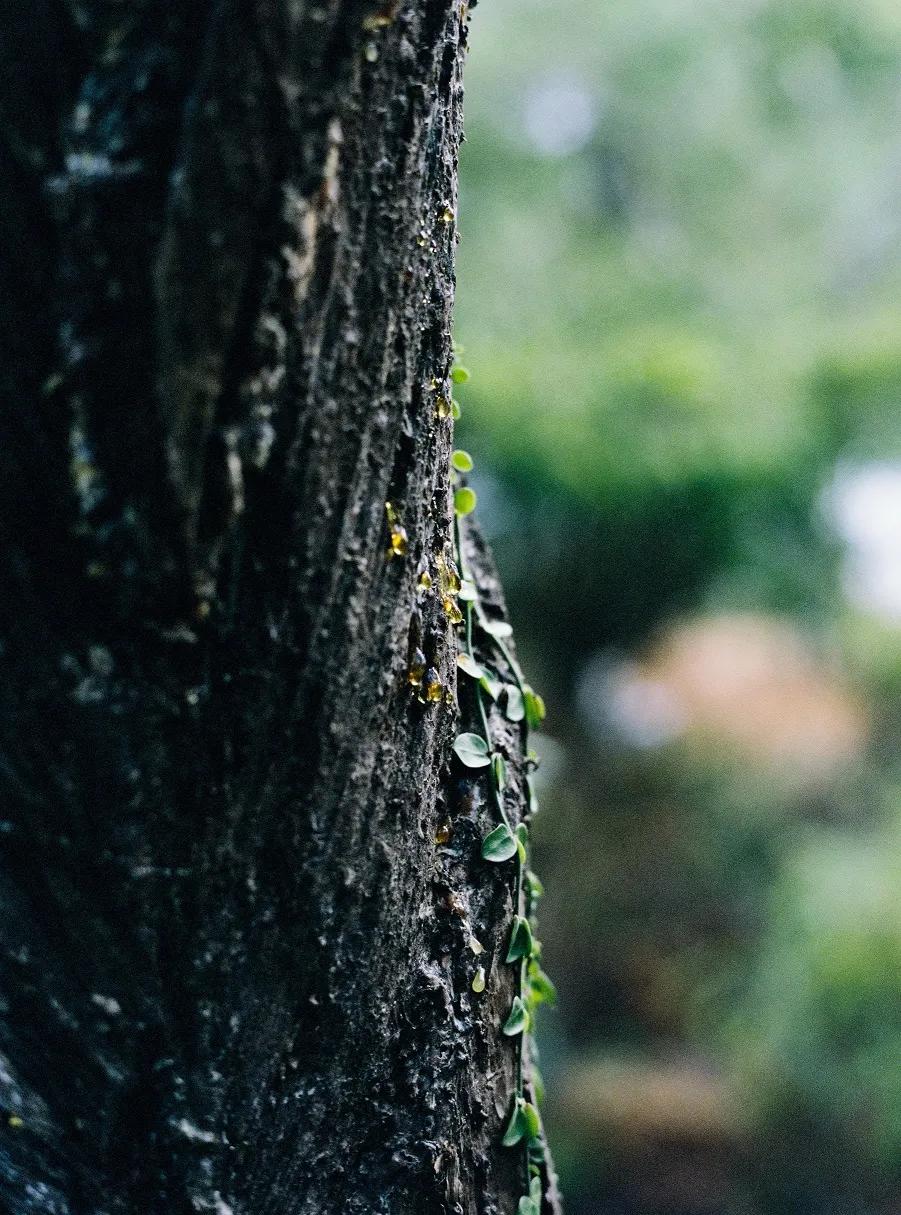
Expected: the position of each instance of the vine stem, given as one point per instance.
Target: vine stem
(512, 664)
(499, 804)
(498, 800)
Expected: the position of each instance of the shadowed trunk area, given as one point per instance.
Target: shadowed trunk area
(240, 871)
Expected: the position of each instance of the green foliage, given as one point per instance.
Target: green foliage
(468, 664)
(532, 1120)
(499, 844)
(514, 706)
(496, 628)
(855, 391)
(464, 500)
(673, 408)
(502, 843)
(541, 989)
(517, 1020)
(472, 750)
(531, 1204)
(691, 317)
(520, 940)
(517, 1127)
(536, 886)
(822, 1013)
(537, 1080)
(492, 686)
(525, 1123)
(534, 708)
(498, 771)
(522, 842)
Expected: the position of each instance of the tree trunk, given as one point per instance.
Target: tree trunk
(241, 877)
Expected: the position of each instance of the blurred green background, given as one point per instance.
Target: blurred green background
(680, 301)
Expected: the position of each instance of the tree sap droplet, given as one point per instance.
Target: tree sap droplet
(443, 833)
(397, 542)
(432, 688)
(452, 578)
(449, 585)
(451, 610)
(416, 669)
(448, 578)
(478, 980)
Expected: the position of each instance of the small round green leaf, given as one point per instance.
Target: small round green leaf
(492, 686)
(535, 710)
(499, 771)
(456, 411)
(541, 989)
(538, 1085)
(536, 886)
(532, 1120)
(499, 844)
(497, 628)
(467, 663)
(522, 840)
(518, 1019)
(472, 750)
(514, 709)
(520, 940)
(459, 375)
(464, 500)
(462, 461)
(517, 1127)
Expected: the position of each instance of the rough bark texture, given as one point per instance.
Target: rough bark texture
(235, 971)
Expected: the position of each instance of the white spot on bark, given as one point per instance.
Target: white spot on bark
(194, 1133)
(110, 1006)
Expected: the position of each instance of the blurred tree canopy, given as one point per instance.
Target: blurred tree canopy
(680, 299)
(679, 285)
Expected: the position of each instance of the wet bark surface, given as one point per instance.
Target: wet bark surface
(239, 869)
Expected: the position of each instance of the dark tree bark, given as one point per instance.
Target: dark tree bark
(240, 872)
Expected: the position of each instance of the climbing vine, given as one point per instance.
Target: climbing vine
(505, 843)
(501, 682)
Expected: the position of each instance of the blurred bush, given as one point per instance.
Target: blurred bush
(679, 298)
